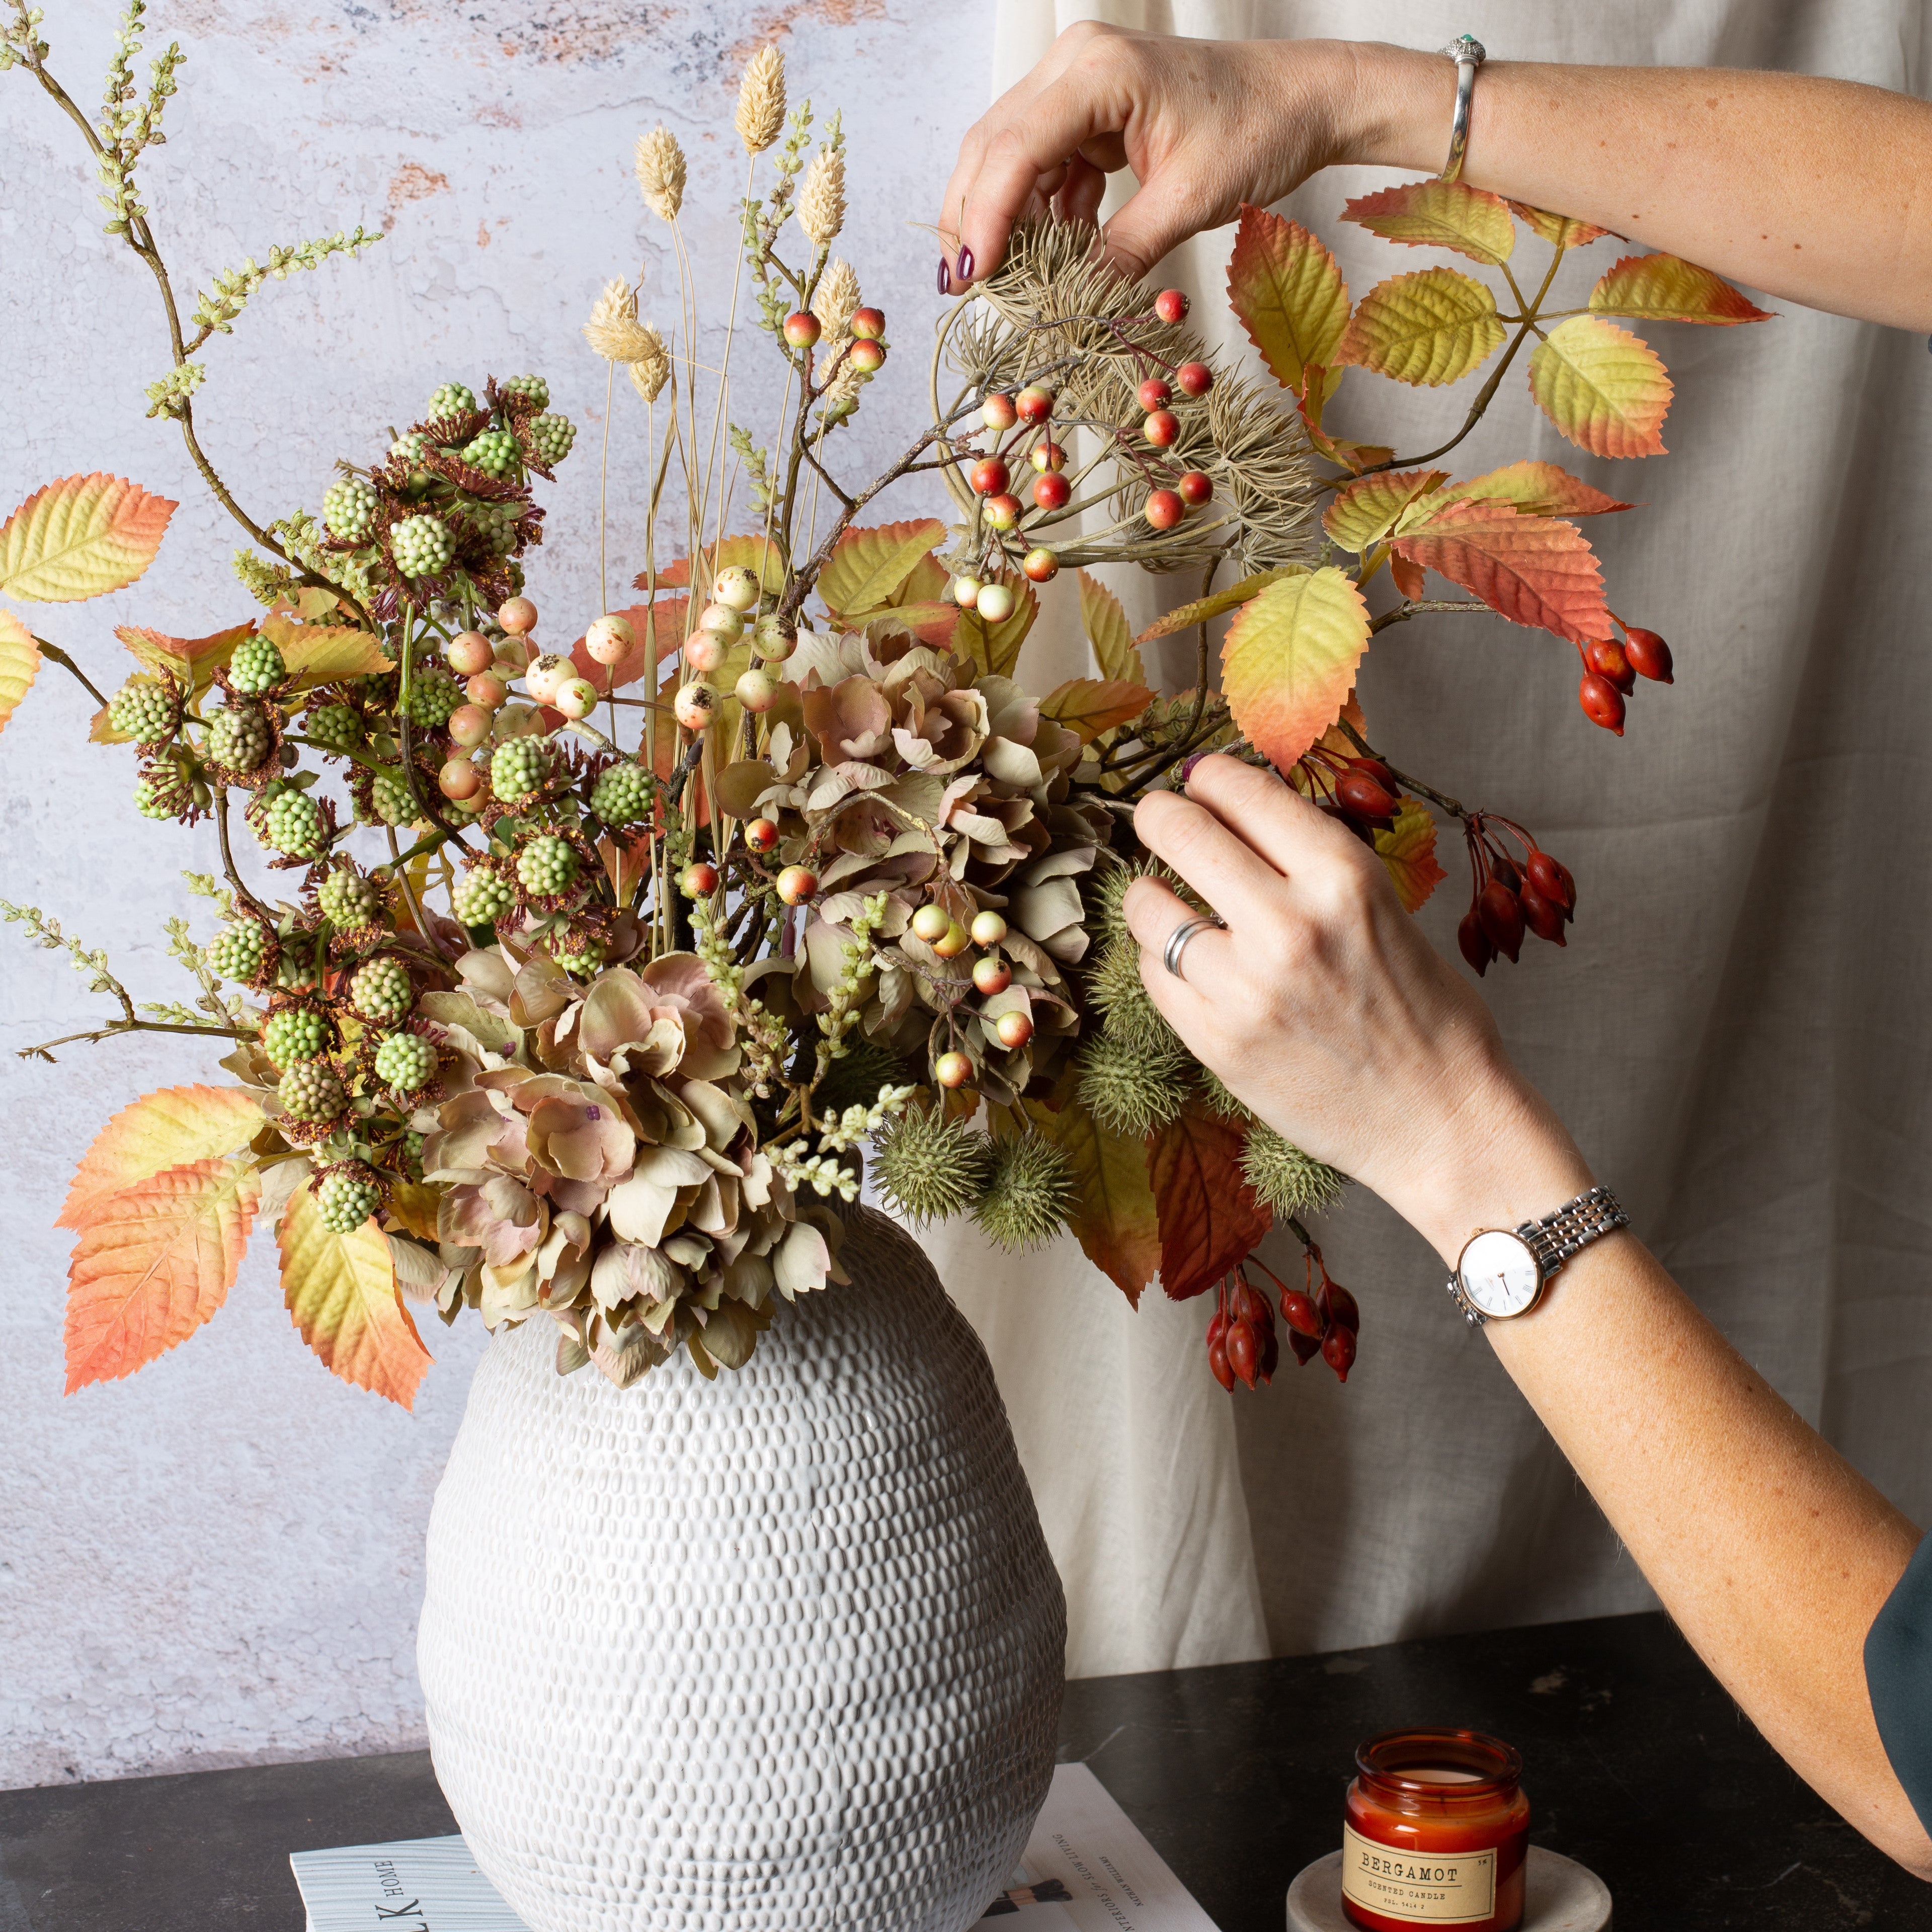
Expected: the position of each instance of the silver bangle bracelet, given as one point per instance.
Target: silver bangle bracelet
(1468, 53)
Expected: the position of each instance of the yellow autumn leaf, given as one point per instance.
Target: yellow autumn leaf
(1088, 706)
(1605, 389)
(1426, 329)
(1367, 510)
(866, 566)
(167, 1129)
(1288, 662)
(325, 653)
(1662, 288)
(1407, 851)
(194, 660)
(1202, 610)
(1560, 231)
(1108, 631)
(153, 1263)
(1439, 215)
(341, 1291)
(20, 659)
(80, 538)
(1288, 292)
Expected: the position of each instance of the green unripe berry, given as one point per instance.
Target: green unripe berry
(345, 1199)
(494, 452)
(142, 709)
(531, 388)
(312, 1091)
(546, 864)
(404, 1062)
(483, 899)
(338, 728)
(294, 1035)
(154, 800)
(422, 546)
(238, 737)
(348, 899)
(411, 445)
(551, 437)
(391, 801)
(349, 509)
(256, 666)
(497, 524)
(622, 795)
(292, 823)
(433, 695)
(381, 990)
(520, 767)
(452, 399)
(581, 954)
(236, 952)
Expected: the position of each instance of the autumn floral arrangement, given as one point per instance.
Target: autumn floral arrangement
(598, 974)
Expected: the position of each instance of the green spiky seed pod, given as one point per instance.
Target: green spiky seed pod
(520, 767)
(347, 1198)
(1131, 1091)
(293, 824)
(531, 388)
(1029, 1193)
(391, 801)
(433, 694)
(143, 710)
(1220, 1099)
(1116, 991)
(381, 990)
(238, 737)
(336, 728)
(546, 864)
(236, 952)
(257, 666)
(483, 899)
(551, 437)
(452, 399)
(929, 1167)
(494, 452)
(1286, 1179)
(422, 546)
(410, 445)
(294, 1035)
(349, 900)
(349, 509)
(312, 1091)
(405, 1062)
(855, 1080)
(621, 796)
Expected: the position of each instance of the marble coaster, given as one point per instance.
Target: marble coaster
(1562, 1896)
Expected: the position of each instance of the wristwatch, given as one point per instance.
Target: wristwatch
(1502, 1272)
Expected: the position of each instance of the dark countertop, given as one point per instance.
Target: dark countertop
(1638, 1764)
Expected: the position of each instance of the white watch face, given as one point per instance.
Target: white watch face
(1498, 1273)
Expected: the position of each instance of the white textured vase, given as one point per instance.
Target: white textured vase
(782, 1651)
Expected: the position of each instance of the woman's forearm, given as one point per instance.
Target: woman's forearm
(1817, 190)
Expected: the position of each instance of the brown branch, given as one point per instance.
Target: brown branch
(60, 657)
(1403, 612)
(113, 1027)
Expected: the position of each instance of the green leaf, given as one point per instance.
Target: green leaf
(1289, 661)
(995, 648)
(80, 538)
(1108, 631)
(867, 566)
(1426, 329)
(1202, 609)
(1288, 292)
(1439, 215)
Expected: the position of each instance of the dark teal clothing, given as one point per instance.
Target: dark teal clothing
(1898, 1674)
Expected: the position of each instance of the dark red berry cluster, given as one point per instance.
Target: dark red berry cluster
(1322, 1319)
(1611, 670)
(1362, 793)
(1507, 898)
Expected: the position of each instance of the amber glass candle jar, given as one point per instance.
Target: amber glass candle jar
(1436, 1833)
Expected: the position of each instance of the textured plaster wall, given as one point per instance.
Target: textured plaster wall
(220, 1561)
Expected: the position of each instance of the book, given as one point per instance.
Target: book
(1086, 1868)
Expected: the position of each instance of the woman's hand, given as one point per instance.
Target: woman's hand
(1203, 124)
(1325, 1010)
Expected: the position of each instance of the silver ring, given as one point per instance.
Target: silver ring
(1468, 53)
(1178, 939)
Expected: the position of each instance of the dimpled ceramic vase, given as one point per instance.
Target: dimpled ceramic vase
(780, 1651)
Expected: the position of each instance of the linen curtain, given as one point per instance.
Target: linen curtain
(1737, 1032)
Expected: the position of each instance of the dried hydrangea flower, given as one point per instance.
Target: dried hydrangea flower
(661, 172)
(761, 100)
(821, 201)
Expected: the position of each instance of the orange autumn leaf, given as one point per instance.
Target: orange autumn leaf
(170, 1128)
(1563, 231)
(1661, 288)
(1536, 489)
(1113, 1217)
(1210, 1218)
(153, 1263)
(194, 660)
(754, 550)
(1439, 215)
(81, 537)
(1408, 853)
(1534, 570)
(1088, 706)
(1409, 579)
(19, 660)
(1289, 660)
(1288, 292)
(1603, 387)
(341, 1291)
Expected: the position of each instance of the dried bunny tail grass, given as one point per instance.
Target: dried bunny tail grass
(761, 100)
(836, 298)
(616, 334)
(648, 377)
(661, 172)
(821, 200)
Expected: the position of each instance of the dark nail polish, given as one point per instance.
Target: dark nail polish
(945, 277)
(965, 264)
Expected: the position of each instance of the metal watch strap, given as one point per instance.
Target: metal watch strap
(1554, 1239)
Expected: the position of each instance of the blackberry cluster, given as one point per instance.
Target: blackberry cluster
(483, 899)
(452, 399)
(257, 666)
(348, 899)
(292, 823)
(381, 990)
(422, 545)
(349, 509)
(533, 389)
(294, 1035)
(551, 437)
(405, 1062)
(346, 1199)
(142, 710)
(519, 767)
(336, 728)
(494, 451)
(546, 864)
(236, 952)
(312, 1091)
(622, 795)
(238, 737)
(433, 694)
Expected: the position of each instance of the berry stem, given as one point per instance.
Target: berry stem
(58, 656)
